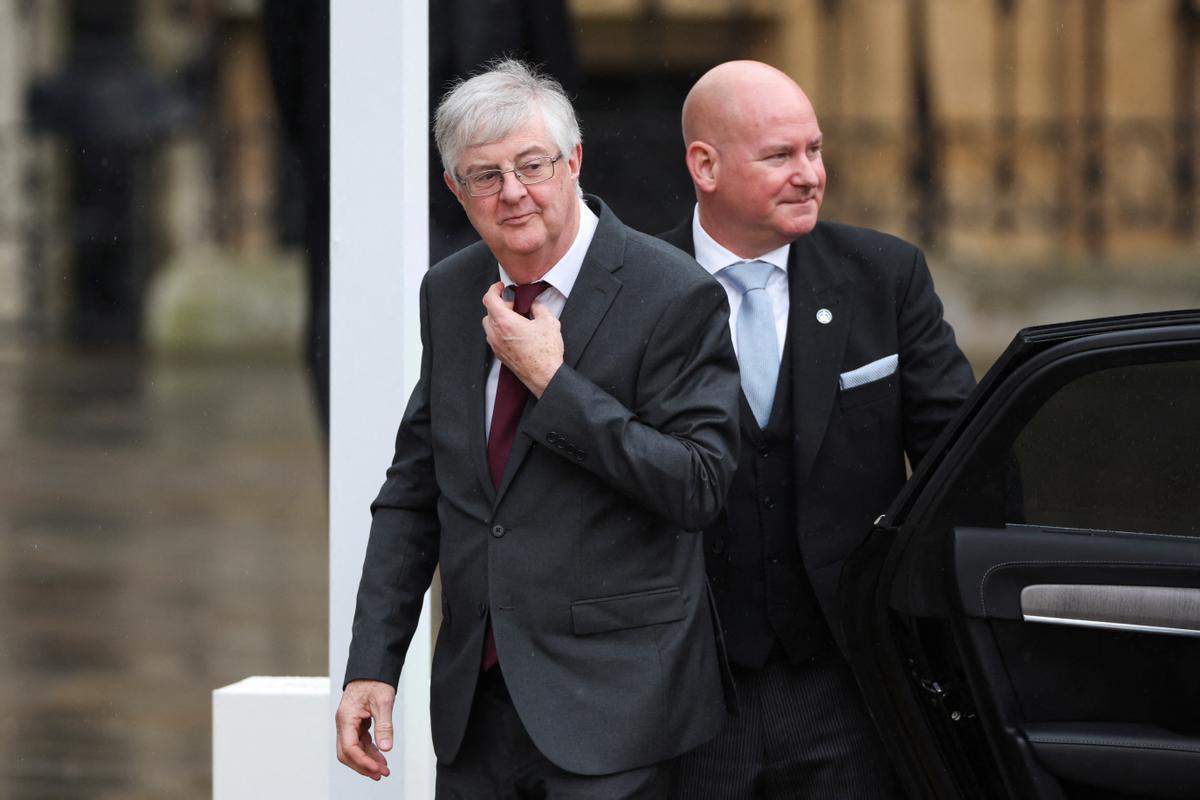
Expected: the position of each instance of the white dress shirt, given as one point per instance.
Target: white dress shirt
(561, 278)
(714, 258)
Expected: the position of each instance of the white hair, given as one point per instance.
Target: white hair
(492, 104)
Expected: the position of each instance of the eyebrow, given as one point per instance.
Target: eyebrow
(785, 147)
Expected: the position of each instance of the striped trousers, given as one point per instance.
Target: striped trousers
(803, 732)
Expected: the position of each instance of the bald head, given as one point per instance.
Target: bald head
(754, 153)
(734, 94)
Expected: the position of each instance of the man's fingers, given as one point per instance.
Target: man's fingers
(350, 750)
(379, 758)
(381, 710)
(493, 299)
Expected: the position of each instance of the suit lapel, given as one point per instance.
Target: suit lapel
(814, 283)
(593, 294)
(477, 358)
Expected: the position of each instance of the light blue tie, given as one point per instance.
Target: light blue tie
(758, 345)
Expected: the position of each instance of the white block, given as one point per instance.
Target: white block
(271, 738)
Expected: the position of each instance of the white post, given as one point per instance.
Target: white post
(268, 739)
(13, 59)
(378, 253)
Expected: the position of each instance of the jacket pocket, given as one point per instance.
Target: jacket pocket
(867, 393)
(619, 612)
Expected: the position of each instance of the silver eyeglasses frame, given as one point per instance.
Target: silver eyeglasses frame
(480, 184)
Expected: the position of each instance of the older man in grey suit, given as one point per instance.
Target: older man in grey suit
(557, 467)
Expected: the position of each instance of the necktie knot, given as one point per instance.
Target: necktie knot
(525, 294)
(749, 275)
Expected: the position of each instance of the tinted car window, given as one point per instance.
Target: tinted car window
(1116, 449)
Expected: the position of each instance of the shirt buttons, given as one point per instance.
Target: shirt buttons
(497, 531)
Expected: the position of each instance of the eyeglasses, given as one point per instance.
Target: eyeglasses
(489, 181)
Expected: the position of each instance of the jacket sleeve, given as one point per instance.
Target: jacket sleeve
(935, 376)
(402, 551)
(675, 451)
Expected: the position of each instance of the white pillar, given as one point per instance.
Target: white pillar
(378, 253)
(13, 57)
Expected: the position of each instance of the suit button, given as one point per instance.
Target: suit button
(497, 531)
(552, 437)
(774, 560)
(768, 503)
(718, 546)
(580, 455)
(764, 451)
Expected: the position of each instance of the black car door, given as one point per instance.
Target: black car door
(1025, 619)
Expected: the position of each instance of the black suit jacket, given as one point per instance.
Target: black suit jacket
(585, 557)
(850, 444)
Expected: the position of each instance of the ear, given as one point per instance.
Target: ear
(702, 163)
(454, 187)
(575, 161)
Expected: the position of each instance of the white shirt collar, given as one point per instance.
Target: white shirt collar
(715, 257)
(563, 274)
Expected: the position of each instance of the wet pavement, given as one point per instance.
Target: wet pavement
(162, 533)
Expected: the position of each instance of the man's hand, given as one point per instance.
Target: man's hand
(362, 702)
(531, 348)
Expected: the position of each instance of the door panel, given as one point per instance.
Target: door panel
(1101, 708)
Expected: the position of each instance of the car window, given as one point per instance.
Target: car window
(1115, 449)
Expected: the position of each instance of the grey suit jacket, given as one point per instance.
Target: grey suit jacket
(588, 557)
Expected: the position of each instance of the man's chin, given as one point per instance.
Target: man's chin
(525, 241)
(799, 225)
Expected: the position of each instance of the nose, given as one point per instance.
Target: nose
(806, 172)
(511, 189)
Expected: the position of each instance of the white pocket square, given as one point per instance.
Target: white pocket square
(879, 368)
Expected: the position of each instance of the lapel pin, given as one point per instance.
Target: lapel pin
(824, 316)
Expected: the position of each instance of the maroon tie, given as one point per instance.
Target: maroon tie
(511, 395)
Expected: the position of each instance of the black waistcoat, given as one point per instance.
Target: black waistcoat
(763, 594)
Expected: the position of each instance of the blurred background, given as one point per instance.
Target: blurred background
(164, 275)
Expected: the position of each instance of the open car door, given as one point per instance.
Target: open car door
(1025, 619)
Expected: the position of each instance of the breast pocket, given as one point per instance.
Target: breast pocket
(867, 393)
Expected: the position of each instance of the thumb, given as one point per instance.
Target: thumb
(539, 311)
(381, 711)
